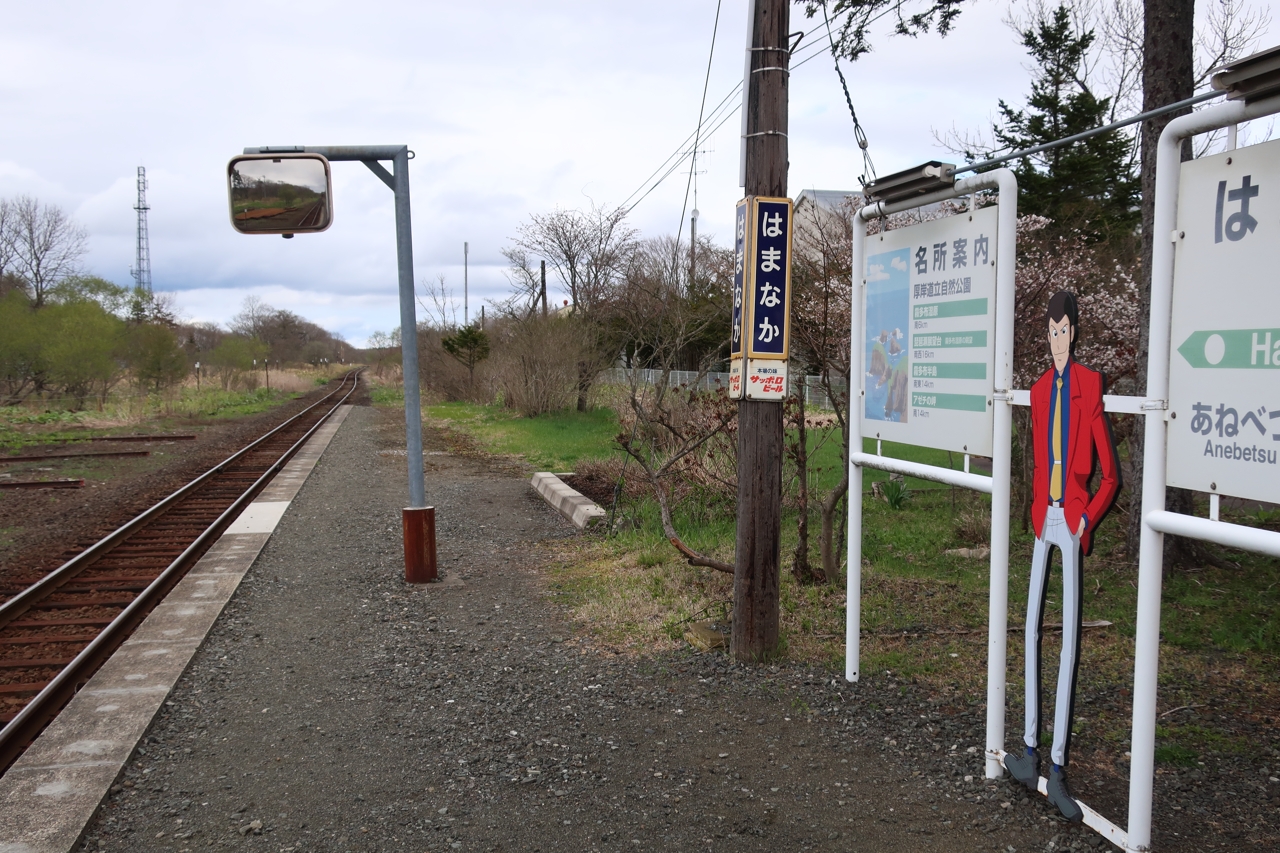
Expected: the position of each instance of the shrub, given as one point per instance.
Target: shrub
(536, 364)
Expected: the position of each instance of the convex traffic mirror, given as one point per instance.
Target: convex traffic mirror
(280, 193)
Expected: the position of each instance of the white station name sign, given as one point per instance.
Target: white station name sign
(1224, 372)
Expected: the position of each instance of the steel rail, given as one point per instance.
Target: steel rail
(31, 720)
(20, 603)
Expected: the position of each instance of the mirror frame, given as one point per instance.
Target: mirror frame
(287, 232)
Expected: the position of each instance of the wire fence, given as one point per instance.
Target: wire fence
(815, 396)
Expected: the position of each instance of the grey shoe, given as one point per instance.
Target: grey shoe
(1025, 767)
(1060, 796)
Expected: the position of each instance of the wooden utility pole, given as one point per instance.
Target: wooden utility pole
(758, 551)
(544, 290)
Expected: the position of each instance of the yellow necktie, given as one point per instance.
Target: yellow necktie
(1055, 476)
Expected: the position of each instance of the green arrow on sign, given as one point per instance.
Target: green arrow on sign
(1233, 348)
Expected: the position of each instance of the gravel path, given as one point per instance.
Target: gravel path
(334, 708)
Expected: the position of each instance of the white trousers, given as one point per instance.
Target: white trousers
(1054, 534)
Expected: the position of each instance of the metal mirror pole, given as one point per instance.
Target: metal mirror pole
(409, 334)
(418, 519)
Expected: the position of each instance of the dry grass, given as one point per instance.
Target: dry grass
(925, 614)
(639, 599)
(636, 600)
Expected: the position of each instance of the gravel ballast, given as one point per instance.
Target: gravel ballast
(335, 708)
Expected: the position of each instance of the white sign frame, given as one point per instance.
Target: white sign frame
(998, 485)
(1156, 521)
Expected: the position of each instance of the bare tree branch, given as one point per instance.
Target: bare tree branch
(45, 244)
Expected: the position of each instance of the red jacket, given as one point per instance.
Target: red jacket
(1088, 430)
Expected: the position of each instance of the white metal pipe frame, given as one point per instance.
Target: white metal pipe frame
(1156, 520)
(998, 485)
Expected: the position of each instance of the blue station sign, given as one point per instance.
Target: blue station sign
(767, 279)
(741, 244)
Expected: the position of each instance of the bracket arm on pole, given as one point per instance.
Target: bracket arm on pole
(381, 171)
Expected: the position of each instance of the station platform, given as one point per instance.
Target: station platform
(329, 706)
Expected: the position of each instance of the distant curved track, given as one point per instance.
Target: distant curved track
(57, 632)
(313, 216)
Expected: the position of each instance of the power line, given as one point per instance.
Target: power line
(681, 152)
(693, 162)
(676, 159)
(679, 162)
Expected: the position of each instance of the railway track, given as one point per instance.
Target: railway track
(57, 631)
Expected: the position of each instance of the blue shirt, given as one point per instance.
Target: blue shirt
(1065, 376)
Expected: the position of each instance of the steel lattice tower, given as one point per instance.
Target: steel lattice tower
(142, 263)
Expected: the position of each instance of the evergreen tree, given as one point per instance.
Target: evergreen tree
(469, 346)
(1089, 184)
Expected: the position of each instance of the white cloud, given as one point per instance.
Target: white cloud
(899, 263)
(875, 272)
(513, 108)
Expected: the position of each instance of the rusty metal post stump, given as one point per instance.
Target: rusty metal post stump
(419, 544)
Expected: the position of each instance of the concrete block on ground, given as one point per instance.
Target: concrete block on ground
(579, 509)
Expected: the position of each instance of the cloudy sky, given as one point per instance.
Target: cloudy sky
(511, 107)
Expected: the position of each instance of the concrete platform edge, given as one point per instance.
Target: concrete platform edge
(50, 794)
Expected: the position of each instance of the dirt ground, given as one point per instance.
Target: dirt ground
(40, 529)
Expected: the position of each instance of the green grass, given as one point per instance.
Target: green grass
(1176, 755)
(911, 585)
(22, 426)
(215, 403)
(387, 395)
(924, 611)
(553, 442)
(826, 468)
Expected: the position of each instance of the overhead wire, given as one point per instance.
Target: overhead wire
(676, 159)
(693, 161)
(681, 151)
(859, 135)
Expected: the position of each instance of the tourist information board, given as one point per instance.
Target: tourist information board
(1224, 371)
(929, 334)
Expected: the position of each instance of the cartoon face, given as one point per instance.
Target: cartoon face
(1061, 334)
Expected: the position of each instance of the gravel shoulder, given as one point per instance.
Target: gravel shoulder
(335, 708)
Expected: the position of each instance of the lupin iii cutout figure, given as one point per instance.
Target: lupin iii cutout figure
(1071, 436)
